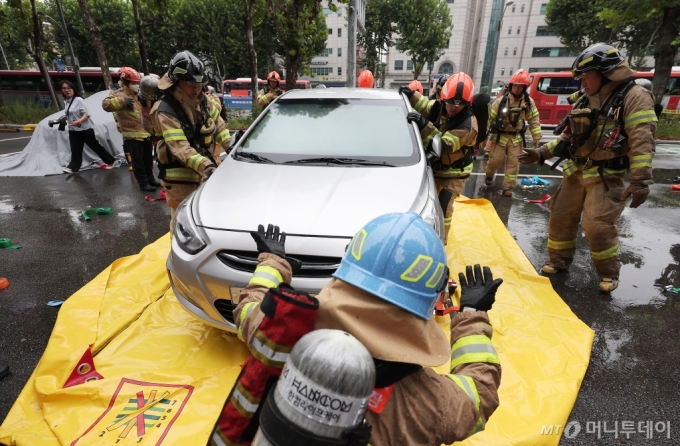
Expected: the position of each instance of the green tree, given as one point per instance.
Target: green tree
(424, 29)
(577, 23)
(380, 24)
(13, 37)
(301, 30)
(621, 13)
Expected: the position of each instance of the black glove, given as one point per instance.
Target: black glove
(208, 171)
(407, 91)
(478, 292)
(416, 117)
(129, 103)
(272, 241)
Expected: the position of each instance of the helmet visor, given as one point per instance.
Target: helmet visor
(457, 102)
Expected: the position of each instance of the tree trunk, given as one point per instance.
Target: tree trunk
(291, 71)
(250, 4)
(97, 40)
(664, 52)
(140, 33)
(36, 52)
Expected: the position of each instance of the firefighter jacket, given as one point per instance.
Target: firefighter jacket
(266, 95)
(457, 141)
(129, 122)
(176, 156)
(424, 408)
(514, 119)
(638, 123)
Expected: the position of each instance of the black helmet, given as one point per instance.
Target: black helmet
(442, 80)
(600, 57)
(186, 67)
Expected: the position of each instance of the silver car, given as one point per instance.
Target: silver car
(318, 163)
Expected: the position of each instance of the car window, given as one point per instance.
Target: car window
(558, 85)
(374, 130)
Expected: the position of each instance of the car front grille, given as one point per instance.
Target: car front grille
(226, 309)
(312, 266)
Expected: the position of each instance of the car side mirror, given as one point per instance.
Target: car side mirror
(436, 145)
(235, 138)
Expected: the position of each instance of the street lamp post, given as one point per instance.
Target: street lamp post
(63, 28)
(498, 36)
(4, 57)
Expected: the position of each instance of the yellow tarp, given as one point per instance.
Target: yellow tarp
(166, 375)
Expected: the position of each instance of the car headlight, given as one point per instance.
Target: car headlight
(433, 216)
(186, 232)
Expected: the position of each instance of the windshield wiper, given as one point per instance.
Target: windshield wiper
(253, 157)
(340, 161)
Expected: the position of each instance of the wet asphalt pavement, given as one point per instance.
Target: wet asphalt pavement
(11, 142)
(633, 374)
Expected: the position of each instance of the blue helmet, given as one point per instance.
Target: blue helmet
(399, 258)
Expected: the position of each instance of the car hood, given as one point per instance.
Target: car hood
(307, 200)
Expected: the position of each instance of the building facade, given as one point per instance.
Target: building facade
(524, 42)
(330, 67)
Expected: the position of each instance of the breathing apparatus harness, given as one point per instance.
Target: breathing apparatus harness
(513, 115)
(200, 137)
(582, 121)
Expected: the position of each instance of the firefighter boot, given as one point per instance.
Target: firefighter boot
(608, 285)
(488, 181)
(549, 269)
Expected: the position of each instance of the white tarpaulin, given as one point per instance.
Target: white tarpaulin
(48, 151)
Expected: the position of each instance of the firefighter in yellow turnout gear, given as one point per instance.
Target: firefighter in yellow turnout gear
(508, 131)
(127, 112)
(452, 118)
(610, 133)
(190, 129)
(271, 91)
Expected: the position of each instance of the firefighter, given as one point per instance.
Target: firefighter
(383, 294)
(509, 114)
(189, 128)
(436, 91)
(366, 79)
(127, 111)
(452, 118)
(415, 85)
(270, 91)
(610, 133)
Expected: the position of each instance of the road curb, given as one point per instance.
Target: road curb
(17, 127)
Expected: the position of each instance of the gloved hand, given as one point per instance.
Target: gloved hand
(272, 241)
(407, 91)
(416, 117)
(207, 172)
(478, 292)
(639, 191)
(531, 156)
(129, 103)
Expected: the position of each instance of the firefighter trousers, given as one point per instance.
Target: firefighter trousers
(455, 185)
(175, 193)
(508, 152)
(600, 207)
(141, 156)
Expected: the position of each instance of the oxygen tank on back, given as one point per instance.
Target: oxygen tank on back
(322, 394)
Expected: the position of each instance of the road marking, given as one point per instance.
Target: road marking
(14, 139)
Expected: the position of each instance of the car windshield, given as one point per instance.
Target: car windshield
(338, 132)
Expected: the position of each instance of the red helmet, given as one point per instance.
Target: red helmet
(520, 77)
(366, 79)
(416, 86)
(459, 90)
(274, 75)
(130, 74)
